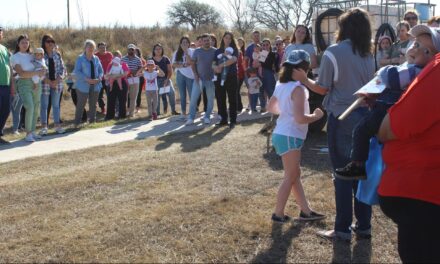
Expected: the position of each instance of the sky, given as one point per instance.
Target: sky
(138, 13)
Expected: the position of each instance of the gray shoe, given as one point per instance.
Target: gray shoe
(334, 236)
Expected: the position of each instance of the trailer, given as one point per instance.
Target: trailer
(324, 22)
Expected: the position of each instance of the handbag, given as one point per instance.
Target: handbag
(367, 189)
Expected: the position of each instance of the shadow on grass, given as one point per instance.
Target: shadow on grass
(279, 248)
(361, 252)
(194, 140)
(314, 154)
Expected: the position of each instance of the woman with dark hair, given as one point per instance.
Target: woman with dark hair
(52, 85)
(270, 66)
(241, 67)
(230, 86)
(290, 102)
(184, 75)
(302, 40)
(21, 62)
(412, 17)
(345, 67)
(141, 80)
(165, 65)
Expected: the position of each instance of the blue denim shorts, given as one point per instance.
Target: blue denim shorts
(284, 144)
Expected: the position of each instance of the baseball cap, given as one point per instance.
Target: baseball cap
(423, 29)
(150, 62)
(39, 50)
(131, 46)
(295, 57)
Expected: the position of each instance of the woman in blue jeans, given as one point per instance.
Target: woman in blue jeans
(52, 85)
(270, 68)
(184, 73)
(345, 67)
(165, 65)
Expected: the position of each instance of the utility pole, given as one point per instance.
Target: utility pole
(68, 14)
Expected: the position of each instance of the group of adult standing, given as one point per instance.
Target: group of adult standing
(46, 92)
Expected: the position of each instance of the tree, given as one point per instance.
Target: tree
(283, 14)
(194, 14)
(240, 13)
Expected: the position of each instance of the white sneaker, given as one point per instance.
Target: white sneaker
(189, 122)
(60, 130)
(29, 138)
(206, 121)
(43, 131)
(15, 132)
(36, 136)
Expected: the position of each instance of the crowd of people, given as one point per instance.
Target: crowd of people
(115, 83)
(279, 76)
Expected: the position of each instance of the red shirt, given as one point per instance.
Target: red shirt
(105, 59)
(413, 158)
(240, 66)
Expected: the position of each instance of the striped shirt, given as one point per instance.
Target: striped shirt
(134, 63)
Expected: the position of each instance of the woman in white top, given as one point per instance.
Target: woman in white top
(21, 61)
(184, 74)
(290, 102)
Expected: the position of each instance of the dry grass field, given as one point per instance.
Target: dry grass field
(205, 196)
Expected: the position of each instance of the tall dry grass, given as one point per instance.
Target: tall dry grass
(117, 37)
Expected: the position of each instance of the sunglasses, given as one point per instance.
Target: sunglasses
(411, 18)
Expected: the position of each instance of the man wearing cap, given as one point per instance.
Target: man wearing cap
(6, 86)
(135, 65)
(105, 58)
(202, 60)
(409, 191)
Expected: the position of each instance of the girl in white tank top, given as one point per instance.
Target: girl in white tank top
(290, 102)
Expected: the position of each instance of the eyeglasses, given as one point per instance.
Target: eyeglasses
(50, 41)
(411, 18)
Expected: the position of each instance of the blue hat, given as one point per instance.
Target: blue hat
(295, 57)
